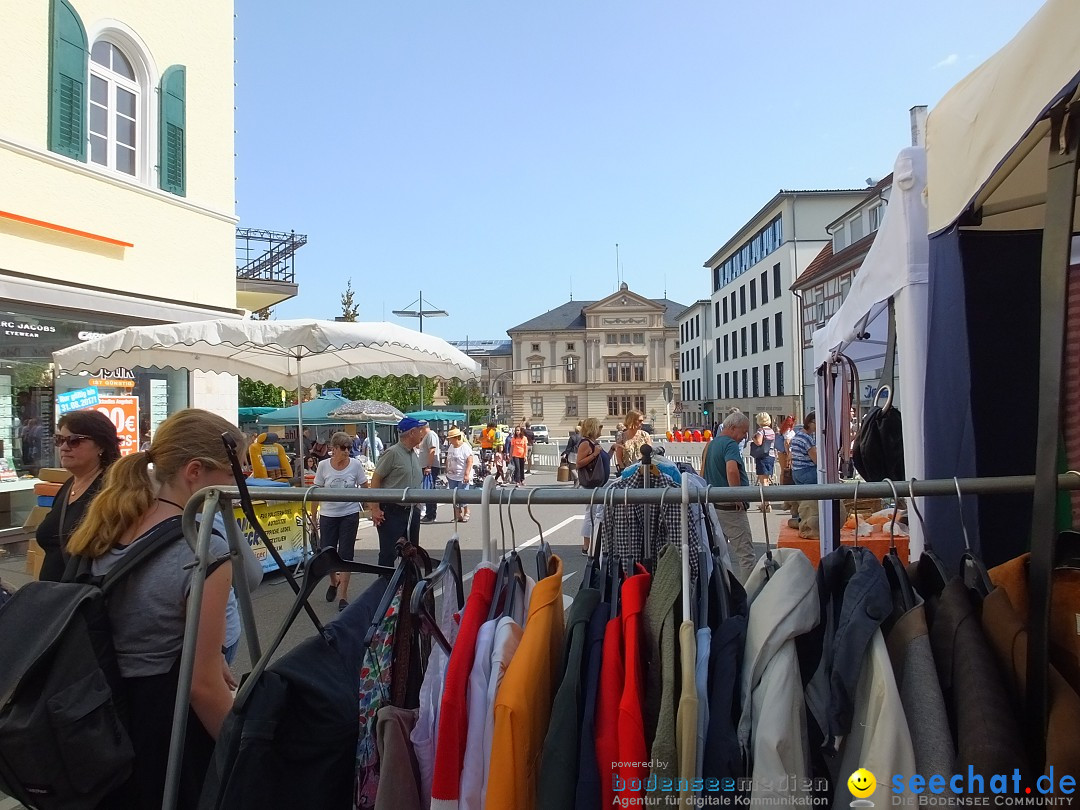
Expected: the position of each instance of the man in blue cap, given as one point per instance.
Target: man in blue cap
(398, 468)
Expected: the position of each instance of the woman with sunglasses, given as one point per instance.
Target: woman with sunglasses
(88, 444)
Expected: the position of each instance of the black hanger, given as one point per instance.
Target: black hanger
(972, 570)
(449, 565)
(588, 577)
(249, 513)
(931, 572)
(851, 559)
(903, 595)
(543, 554)
(1067, 550)
(771, 565)
(719, 578)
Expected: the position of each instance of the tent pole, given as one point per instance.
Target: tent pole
(299, 421)
(1057, 238)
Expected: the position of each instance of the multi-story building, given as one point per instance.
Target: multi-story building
(755, 317)
(495, 358)
(693, 405)
(596, 358)
(824, 284)
(117, 202)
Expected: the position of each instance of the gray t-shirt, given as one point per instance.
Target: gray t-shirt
(147, 608)
(398, 468)
(429, 443)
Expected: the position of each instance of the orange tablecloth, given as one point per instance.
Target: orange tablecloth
(877, 542)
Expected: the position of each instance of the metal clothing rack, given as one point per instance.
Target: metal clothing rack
(207, 501)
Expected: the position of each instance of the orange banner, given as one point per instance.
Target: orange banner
(124, 413)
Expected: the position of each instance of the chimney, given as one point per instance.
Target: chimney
(918, 125)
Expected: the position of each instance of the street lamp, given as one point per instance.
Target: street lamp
(420, 313)
(568, 365)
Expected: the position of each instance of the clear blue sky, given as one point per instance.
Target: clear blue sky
(493, 153)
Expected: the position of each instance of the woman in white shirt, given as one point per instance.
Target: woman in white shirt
(340, 521)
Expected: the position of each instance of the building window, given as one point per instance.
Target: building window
(725, 309)
(778, 329)
(571, 405)
(611, 338)
(732, 297)
(725, 348)
(716, 313)
(727, 385)
(838, 242)
(537, 404)
(536, 373)
(444, 388)
(639, 402)
(760, 245)
(612, 371)
(570, 347)
(855, 228)
(766, 373)
(764, 334)
(115, 127)
(753, 338)
(624, 403)
(754, 377)
(764, 288)
(570, 368)
(753, 294)
(697, 357)
(745, 383)
(876, 214)
(677, 371)
(612, 406)
(639, 371)
(742, 300)
(535, 347)
(742, 335)
(779, 379)
(776, 281)
(624, 337)
(624, 371)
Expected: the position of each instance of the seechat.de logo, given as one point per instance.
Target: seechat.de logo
(862, 785)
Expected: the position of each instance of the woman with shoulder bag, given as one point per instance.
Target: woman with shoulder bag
(763, 451)
(590, 456)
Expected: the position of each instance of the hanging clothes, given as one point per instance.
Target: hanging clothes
(723, 753)
(686, 721)
(916, 675)
(399, 772)
(772, 726)
(633, 750)
(293, 743)
(559, 768)
(981, 712)
(508, 635)
(374, 693)
(587, 793)
(424, 734)
(658, 649)
(453, 709)
(473, 766)
(1008, 636)
(523, 704)
(612, 675)
(627, 524)
(703, 642)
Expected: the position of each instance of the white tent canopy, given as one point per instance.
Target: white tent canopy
(895, 267)
(275, 352)
(986, 140)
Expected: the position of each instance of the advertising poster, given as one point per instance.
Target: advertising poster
(124, 413)
(281, 522)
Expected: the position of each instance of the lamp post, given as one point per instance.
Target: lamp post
(568, 365)
(420, 313)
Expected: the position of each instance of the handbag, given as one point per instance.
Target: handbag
(879, 448)
(760, 451)
(594, 474)
(563, 475)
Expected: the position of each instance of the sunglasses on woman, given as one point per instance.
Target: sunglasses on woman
(72, 441)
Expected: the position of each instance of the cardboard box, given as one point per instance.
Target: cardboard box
(34, 558)
(54, 475)
(37, 514)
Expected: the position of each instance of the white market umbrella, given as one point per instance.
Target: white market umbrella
(289, 354)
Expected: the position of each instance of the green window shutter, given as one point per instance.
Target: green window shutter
(172, 168)
(69, 60)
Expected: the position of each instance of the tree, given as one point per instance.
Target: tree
(460, 395)
(349, 311)
(264, 314)
(255, 394)
(401, 392)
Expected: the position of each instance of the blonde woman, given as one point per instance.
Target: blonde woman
(628, 448)
(588, 450)
(147, 609)
(763, 451)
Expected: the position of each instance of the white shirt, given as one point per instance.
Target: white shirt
(474, 766)
(457, 459)
(365, 447)
(354, 475)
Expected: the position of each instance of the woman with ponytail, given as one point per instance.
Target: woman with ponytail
(144, 492)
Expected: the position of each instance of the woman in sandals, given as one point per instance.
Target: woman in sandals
(340, 520)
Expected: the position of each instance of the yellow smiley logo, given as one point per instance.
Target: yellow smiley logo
(862, 784)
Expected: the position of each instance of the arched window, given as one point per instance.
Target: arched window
(115, 102)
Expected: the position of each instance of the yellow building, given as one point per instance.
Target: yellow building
(117, 199)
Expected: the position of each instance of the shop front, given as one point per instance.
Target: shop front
(29, 395)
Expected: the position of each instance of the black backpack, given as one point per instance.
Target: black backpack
(63, 743)
(878, 452)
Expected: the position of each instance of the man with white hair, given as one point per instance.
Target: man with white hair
(723, 467)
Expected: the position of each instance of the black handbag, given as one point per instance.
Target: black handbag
(879, 447)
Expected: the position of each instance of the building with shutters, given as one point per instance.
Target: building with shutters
(117, 200)
(756, 337)
(595, 358)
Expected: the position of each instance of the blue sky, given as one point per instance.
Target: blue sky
(493, 154)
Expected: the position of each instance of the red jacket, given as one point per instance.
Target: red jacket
(607, 709)
(454, 708)
(632, 746)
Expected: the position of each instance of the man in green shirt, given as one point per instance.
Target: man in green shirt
(724, 467)
(398, 468)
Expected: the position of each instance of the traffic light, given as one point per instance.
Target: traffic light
(706, 408)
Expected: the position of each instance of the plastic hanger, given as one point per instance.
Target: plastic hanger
(771, 565)
(613, 566)
(543, 554)
(588, 576)
(899, 583)
(450, 564)
(972, 570)
(719, 578)
(851, 559)
(931, 571)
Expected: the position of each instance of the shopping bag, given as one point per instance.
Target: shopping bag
(429, 482)
(563, 475)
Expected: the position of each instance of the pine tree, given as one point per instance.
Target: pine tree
(349, 311)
